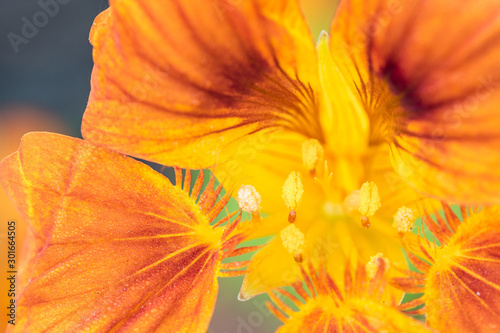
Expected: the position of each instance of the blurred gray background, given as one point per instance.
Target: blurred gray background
(48, 67)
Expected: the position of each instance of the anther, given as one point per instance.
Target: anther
(369, 202)
(404, 219)
(293, 240)
(369, 199)
(366, 201)
(292, 193)
(312, 153)
(249, 200)
(373, 265)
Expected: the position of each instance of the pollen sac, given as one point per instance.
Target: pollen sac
(369, 199)
(248, 199)
(373, 265)
(293, 240)
(293, 190)
(312, 152)
(403, 219)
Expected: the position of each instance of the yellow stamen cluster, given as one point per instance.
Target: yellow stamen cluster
(293, 240)
(293, 190)
(369, 199)
(312, 153)
(248, 199)
(373, 265)
(404, 219)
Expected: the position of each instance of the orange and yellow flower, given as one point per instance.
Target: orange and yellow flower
(114, 246)
(334, 146)
(395, 103)
(459, 277)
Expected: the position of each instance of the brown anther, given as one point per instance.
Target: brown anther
(292, 215)
(298, 258)
(365, 222)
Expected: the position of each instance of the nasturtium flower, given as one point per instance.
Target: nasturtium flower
(400, 99)
(459, 278)
(323, 306)
(114, 245)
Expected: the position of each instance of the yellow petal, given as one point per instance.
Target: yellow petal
(343, 116)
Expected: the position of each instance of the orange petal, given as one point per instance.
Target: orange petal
(463, 286)
(124, 249)
(176, 82)
(433, 86)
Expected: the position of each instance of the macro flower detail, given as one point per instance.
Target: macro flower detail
(459, 277)
(246, 93)
(357, 307)
(115, 246)
(334, 145)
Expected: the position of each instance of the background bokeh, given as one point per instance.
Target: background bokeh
(44, 86)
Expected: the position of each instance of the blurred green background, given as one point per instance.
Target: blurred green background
(44, 86)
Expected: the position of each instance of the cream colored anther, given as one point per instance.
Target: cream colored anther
(248, 199)
(404, 219)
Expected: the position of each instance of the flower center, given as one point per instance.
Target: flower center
(445, 257)
(364, 201)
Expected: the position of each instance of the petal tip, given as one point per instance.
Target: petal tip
(243, 297)
(323, 37)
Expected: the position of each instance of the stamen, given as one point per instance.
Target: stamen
(312, 154)
(366, 201)
(369, 199)
(369, 202)
(292, 193)
(293, 240)
(248, 199)
(372, 266)
(404, 219)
